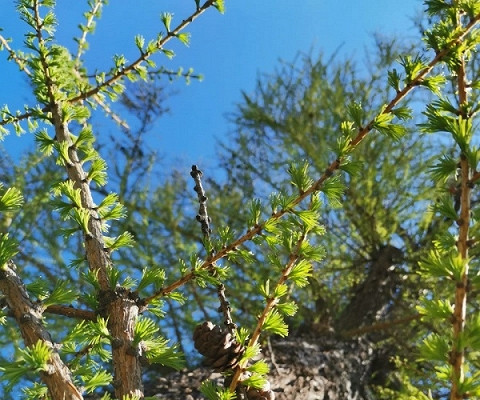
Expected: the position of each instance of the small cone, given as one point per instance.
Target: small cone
(219, 347)
(261, 394)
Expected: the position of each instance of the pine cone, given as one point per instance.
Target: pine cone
(219, 347)
(261, 394)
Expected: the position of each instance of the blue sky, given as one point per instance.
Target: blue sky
(230, 50)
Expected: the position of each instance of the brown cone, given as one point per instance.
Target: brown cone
(219, 347)
(260, 394)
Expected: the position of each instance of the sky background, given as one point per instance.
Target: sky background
(229, 50)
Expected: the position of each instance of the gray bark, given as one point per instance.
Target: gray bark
(323, 368)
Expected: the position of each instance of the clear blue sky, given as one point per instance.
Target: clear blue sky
(230, 50)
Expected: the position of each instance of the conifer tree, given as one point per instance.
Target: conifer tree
(341, 199)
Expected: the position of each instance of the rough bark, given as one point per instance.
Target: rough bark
(29, 319)
(123, 311)
(371, 297)
(115, 305)
(302, 368)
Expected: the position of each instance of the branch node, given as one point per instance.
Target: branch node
(117, 343)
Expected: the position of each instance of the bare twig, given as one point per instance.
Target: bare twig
(202, 216)
(71, 312)
(200, 304)
(176, 326)
(272, 355)
(204, 220)
(225, 309)
(112, 114)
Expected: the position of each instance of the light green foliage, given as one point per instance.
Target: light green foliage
(300, 273)
(299, 176)
(32, 360)
(156, 347)
(449, 260)
(8, 248)
(341, 180)
(435, 308)
(66, 97)
(37, 391)
(275, 323)
(212, 392)
(220, 5)
(61, 294)
(100, 378)
(167, 19)
(386, 191)
(11, 200)
(382, 124)
(256, 381)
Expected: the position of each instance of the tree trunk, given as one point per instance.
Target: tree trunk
(301, 368)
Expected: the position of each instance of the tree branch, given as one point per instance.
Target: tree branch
(57, 377)
(114, 78)
(269, 306)
(71, 312)
(118, 306)
(144, 56)
(96, 8)
(20, 62)
(457, 356)
(329, 171)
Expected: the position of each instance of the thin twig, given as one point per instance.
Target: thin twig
(269, 306)
(202, 215)
(112, 114)
(21, 117)
(272, 355)
(124, 71)
(144, 56)
(200, 304)
(80, 353)
(176, 326)
(71, 312)
(20, 62)
(81, 42)
(225, 309)
(205, 221)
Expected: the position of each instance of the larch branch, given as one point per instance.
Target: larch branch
(58, 377)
